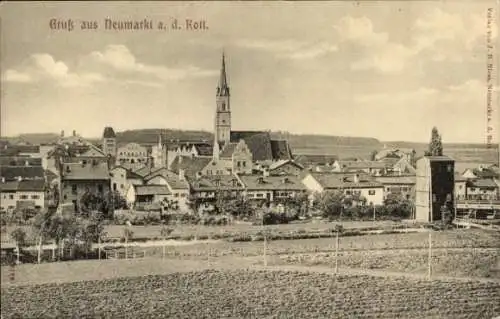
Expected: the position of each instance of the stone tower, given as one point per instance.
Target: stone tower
(109, 141)
(222, 129)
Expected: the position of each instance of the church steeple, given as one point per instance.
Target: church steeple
(222, 129)
(223, 88)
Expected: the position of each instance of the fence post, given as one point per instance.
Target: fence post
(430, 257)
(337, 252)
(12, 274)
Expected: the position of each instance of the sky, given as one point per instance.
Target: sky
(389, 70)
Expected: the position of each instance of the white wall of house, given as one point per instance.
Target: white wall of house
(8, 200)
(460, 189)
(218, 167)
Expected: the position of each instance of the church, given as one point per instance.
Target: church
(234, 152)
(262, 147)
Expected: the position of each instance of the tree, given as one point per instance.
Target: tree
(42, 228)
(373, 155)
(330, 203)
(19, 236)
(435, 145)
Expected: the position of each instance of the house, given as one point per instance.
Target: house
(192, 166)
(310, 161)
(139, 196)
(23, 172)
(271, 188)
(348, 183)
(406, 153)
(133, 154)
(205, 189)
(435, 187)
(481, 189)
(177, 185)
(400, 167)
(22, 194)
(400, 186)
(481, 172)
(285, 167)
(81, 178)
(122, 178)
(370, 167)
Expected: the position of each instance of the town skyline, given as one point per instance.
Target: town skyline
(354, 68)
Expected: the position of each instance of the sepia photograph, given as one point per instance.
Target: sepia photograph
(249, 159)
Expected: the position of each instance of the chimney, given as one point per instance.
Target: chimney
(182, 175)
(19, 178)
(356, 178)
(26, 163)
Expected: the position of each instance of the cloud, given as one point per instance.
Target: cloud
(43, 67)
(458, 110)
(440, 35)
(360, 31)
(289, 49)
(16, 76)
(378, 52)
(120, 58)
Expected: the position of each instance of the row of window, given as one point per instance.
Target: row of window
(241, 164)
(371, 192)
(11, 196)
(74, 189)
(133, 154)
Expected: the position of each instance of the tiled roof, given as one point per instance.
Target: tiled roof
(258, 142)
(75, 171)
(190, 165)
(26, 172)
(280, 163)
(143, 171)
(288, 182)
(485, 173)
(281, 149)
(362, 164)
(20, 161)
(109, 132)
(172, 178)
(344, 180)
(216, 182)
(18, 148)
(396, 180)
(483, 183)
(23, 186)
(316, 159)
(228, 150)
(151, 190)
(460, 178)
(204, 149)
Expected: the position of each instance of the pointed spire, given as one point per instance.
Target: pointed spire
(223, 88)
(159, 141)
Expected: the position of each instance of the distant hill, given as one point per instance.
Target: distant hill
(32, 138)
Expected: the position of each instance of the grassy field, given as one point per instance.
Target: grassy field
(187, 231)
(254, 294)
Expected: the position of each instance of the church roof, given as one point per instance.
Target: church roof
(281, 150)
(109, 132)
(258, 142)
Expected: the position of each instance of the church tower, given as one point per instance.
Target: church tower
(222, 130)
